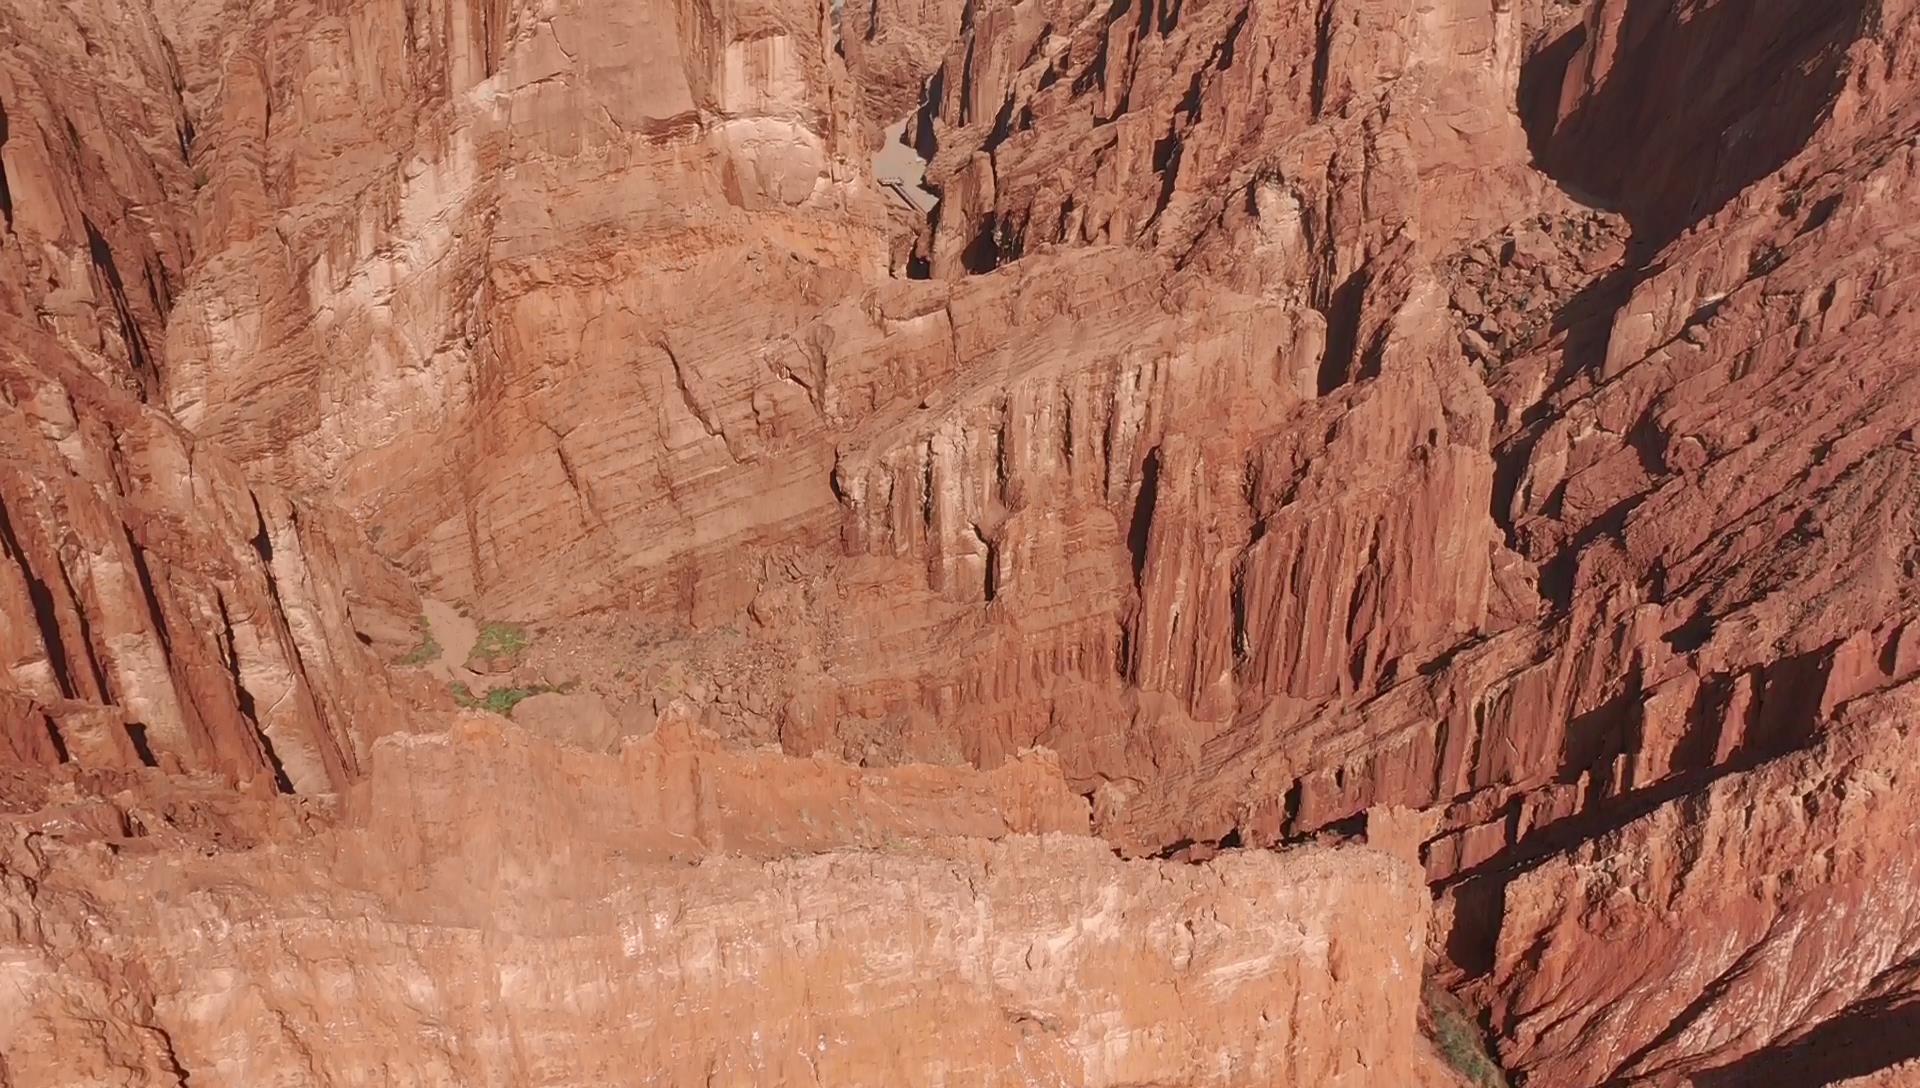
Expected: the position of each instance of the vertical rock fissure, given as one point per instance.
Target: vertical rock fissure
(1140, 529)
(45, 615)
(1342, 313)
(1322, 56)
(6, 191)
(138, 354)
(249, 706)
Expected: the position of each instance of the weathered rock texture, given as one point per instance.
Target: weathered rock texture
(155, 607)
(667, 920)
(1487, 424)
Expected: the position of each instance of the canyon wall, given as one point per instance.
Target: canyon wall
(1479, 423)
(451, 932)
(159, 609)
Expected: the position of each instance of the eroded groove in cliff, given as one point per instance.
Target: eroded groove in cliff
(6, 190)
(1603, 815)
(1140, 527)
(248, 705)
(46, 614)
(136, 341)
(149, 593)
(1870, 1036)
(1342, 314)
(1322, 56)
(701, 412)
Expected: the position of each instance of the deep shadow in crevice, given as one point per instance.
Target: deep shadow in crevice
(1139, 530)
(46, 614)
(136, 340)
(1783, 721)
(1342, 314)
(925, 142)
(1473, 930)
(6, 192)
(1699, 102)
(137, 734)
(983, 253)
(1872, 1037)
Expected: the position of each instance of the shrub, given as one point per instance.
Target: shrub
(428, 650)
(500, 701)
(500, 640)
(1460, 1041)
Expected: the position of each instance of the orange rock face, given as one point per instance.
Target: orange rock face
(680, 916)
(977, 439)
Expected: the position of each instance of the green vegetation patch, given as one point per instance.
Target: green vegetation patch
(428, 651)
(499, 700)
(501, 640)
(1460, 1039)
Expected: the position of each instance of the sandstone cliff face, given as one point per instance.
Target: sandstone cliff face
(1480, 423)
(490, 937)
(483, 224)
(160, 610)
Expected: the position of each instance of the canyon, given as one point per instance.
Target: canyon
(1175, 542)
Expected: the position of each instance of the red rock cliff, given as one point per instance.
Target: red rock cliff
(1481, 424)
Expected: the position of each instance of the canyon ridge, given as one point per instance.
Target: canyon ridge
(1094, 543)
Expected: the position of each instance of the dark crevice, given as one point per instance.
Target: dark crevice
(1342, 314)
(1474, 935)
(982, 254)
(1095, 73)
(45, 613)
(1558, 575)
(925, 143)
(1671, 159)
(6, 191)
(1166, 162)
(1002, 126)
(145, 576)
(60, 752)
(1169, 16)
(1871, 1036)
(990, 587)
(136, 340)
(1241, 645)
(249, 707)
(1322, 56)
(966, 82)
(137, 735)
(1233, 38)
(1606, 814)
(1595, 738)
(1200, 850)
(172, 1058)
(1140, 528)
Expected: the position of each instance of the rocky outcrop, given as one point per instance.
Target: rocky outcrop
(157, 609)
(1302, 419)
(417, 951)
(1797, 869)
(1284, 144)
(483, 222)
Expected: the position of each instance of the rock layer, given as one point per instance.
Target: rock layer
(1300, 418)
(493, 943)
(161, 610)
